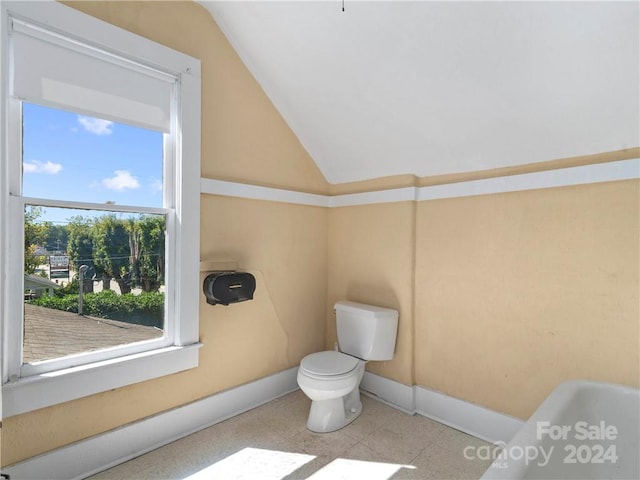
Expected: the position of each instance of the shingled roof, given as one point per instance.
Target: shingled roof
(50, 333)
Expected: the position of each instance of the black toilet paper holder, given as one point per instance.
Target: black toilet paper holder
(227, 287)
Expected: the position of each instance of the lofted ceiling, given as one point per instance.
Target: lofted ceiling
(429, 88)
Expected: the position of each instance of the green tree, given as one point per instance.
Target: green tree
(111, 250)
(56, 237)
(150, 240)
(134, 249)
(33, 236)
(80, 246)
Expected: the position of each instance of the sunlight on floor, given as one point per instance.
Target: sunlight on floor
(343, 469)
(275, 465)
(271, 442)
(271, 464)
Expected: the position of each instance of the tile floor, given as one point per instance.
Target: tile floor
(271, 442)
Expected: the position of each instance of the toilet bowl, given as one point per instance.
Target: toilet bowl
(331, 380)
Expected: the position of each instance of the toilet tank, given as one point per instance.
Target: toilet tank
(366, 331)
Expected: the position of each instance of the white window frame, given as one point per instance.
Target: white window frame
(27, 389)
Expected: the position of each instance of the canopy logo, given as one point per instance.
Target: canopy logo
(581, 442)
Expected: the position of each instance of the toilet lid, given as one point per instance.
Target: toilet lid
(328, 363)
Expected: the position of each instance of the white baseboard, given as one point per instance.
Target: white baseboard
(103, 451)
(467, 417)
(393, 393)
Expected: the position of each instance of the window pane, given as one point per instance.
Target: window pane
(72, 157)
(93, 279)
(119, 259)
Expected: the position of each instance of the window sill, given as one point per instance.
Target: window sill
(44, 390)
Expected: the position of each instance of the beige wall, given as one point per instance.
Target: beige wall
(505, 296)
(512, 293)
(371, 259)
(285, 247)
(518, 292)
(244, 139)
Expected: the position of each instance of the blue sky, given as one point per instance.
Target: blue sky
(72, 157)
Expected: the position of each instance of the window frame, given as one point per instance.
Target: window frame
(118, 366)
(19, 202)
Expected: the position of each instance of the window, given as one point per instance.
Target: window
(100, 207)
(68, 157)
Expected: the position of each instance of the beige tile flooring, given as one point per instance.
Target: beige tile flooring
(271, 442)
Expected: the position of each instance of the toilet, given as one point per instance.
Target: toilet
(331, 379)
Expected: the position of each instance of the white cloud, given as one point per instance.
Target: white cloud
(47, 167)
(121, 180)
(96, 125)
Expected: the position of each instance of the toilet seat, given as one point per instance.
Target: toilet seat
(331, 379)
(328, 365)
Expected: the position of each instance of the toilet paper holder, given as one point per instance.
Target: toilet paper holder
(227, 287)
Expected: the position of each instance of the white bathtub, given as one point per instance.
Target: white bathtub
(583, 430)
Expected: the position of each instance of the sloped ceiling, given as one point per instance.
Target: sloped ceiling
(430, 88)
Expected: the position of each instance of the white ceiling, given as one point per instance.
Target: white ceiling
(429, 88)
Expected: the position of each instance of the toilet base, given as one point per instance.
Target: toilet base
(330, 415)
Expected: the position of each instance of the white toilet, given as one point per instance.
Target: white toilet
(331, 379)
